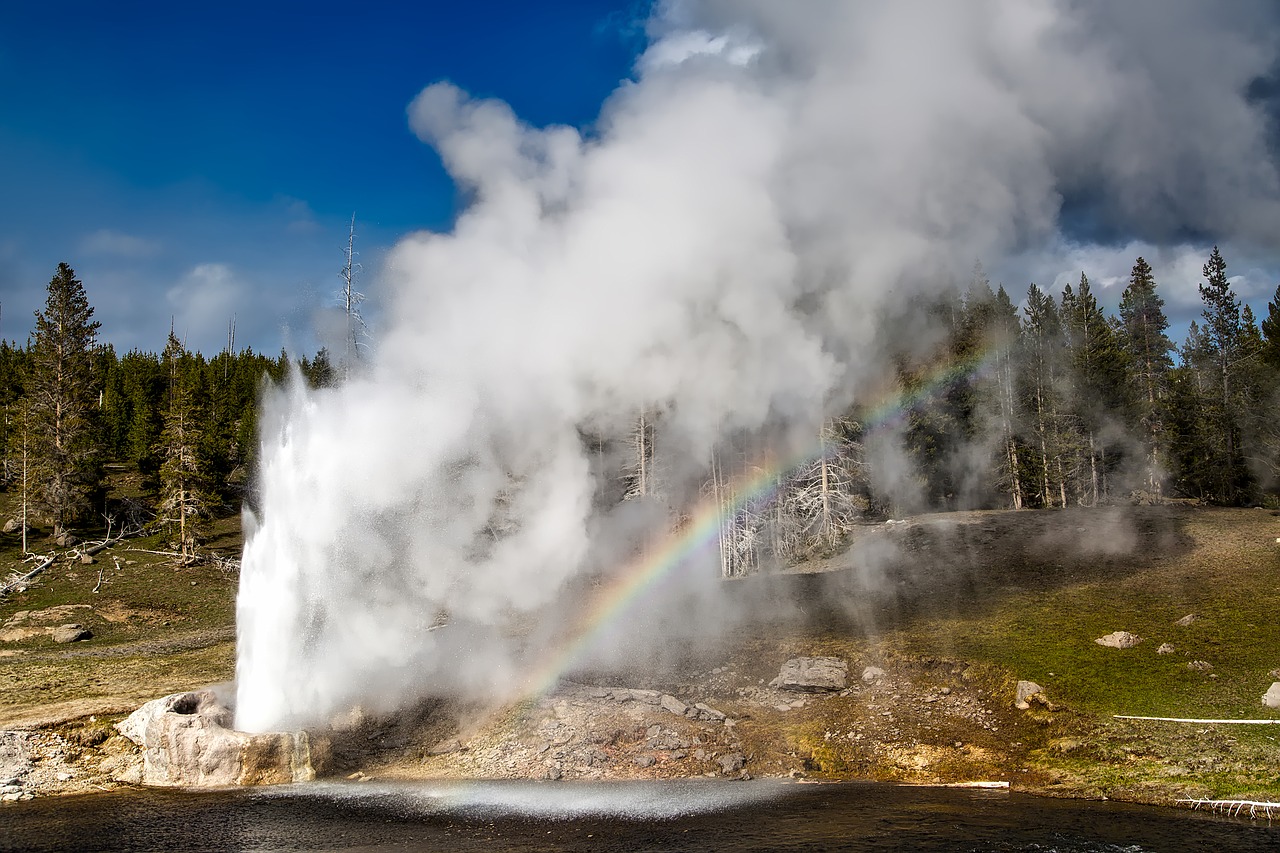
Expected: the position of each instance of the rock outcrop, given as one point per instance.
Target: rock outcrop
(15, 763)
(1027, 692)
(1119, 640)
(71, 634)
(812, 675)
(187, 741)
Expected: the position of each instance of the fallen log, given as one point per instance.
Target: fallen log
(53, 558)
(1201, 721)
(1253, 808)
(19, 581)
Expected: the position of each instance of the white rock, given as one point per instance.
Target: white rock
(1026, 690)
(812, 675)
(1272, 697)
(872, 673)
(187, 741)
(1119, 640)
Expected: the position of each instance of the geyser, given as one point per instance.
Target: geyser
(719, 256)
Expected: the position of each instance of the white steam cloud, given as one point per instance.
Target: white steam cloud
(716, 251)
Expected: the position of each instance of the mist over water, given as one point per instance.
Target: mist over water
(718, 254)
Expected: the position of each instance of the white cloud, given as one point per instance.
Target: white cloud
(301, 218)
(203, 301)
(680, 47)
(108, 242)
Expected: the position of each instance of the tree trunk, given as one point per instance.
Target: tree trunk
(1093, 471)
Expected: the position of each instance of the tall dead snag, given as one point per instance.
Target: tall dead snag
(351, 299)
(772, 517)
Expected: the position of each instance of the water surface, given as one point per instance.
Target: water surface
(651, 816)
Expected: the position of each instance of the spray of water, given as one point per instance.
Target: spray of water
(713, 253)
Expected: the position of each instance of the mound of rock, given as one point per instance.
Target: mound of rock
(187, 740)
(812, 675)
(71, 634)
(1119, 640)
(1028, 692)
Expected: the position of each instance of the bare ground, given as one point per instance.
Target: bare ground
(955, 608)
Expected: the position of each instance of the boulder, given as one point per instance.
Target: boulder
(10, 526)
(1166, 649)
(187, 741)
(15, 757)
(731, 763)
(1027, 692)
(1272, 697)
(447, 746)
(706, 712)
(1189, 619)
(71, 634)
(1200, 666)
(812, 675)
(1119, 640)
(872, 673)
(672, 704)
(648, 697)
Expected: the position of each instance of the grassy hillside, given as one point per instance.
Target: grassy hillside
(963, 607)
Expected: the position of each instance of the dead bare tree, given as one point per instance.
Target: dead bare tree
(351, 300)
(640, 469)
(803, 511)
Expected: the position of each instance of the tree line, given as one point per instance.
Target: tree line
(1051, 403)
(1048, 404)
(1067, 405)
(71, 405)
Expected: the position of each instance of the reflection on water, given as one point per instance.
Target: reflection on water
(648, 816)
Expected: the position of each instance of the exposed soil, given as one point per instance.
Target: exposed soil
(954, 608)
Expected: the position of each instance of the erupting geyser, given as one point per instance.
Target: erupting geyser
(720, 253)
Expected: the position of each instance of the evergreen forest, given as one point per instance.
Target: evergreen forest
(1047, 402)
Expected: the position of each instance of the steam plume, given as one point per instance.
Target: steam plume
(774, 177)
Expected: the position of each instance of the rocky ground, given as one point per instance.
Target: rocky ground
(930, 696)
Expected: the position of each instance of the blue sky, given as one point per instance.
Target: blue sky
(194, 160)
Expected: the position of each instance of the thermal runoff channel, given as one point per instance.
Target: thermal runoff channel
(633, 332)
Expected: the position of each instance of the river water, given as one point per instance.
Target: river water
(651, 816)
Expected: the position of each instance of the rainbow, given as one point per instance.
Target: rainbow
(660, 565)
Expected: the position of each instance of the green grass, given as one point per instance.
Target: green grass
(1231, 579)
(157, 626)
(1048, 637)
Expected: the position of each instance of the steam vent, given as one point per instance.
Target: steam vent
(187, 741)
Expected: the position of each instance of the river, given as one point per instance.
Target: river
(650, 816)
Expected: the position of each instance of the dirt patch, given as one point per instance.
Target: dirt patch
(117, 613)
(17, 635)
(48, 616)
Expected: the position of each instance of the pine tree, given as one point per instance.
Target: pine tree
(14, 367)
(1224, 336)
(143, 383)
(1044, 356)
(1097, 384)
(1143, 324)
(184, 496)
(64, 434)
(1271, 332)
(1190, 423)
